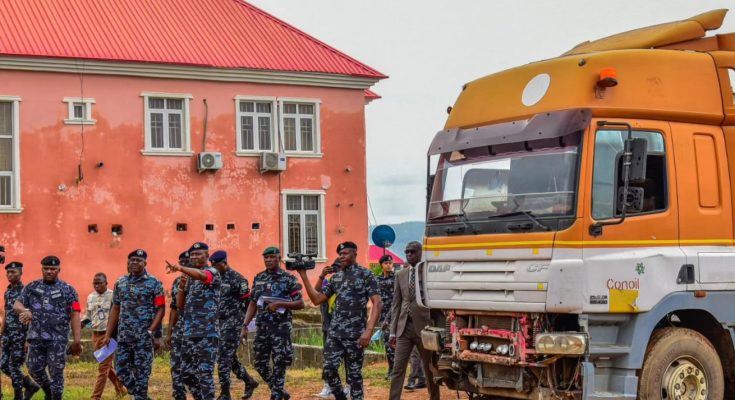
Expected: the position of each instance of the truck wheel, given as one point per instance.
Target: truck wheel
(681, 364)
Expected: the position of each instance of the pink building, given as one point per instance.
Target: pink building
(157, 123)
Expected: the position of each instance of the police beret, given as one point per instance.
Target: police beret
(140, 253)
(218, 256)
(198, 246)
(346, 245)
(385, 258)
(51, 261)
(184, 256)
(14, 265)
(271, 250)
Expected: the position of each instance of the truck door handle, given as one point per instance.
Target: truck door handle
(686, 274)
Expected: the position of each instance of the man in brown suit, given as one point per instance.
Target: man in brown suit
(407, 321)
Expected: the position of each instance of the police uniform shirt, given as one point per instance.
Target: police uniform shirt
(234, 294)
(139, 298)
(174, 293)
(353, 286)
(51, 305)
(201, 307)
(13, 329)
(274, 284)
(386, 285)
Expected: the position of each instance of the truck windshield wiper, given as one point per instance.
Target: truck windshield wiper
(462, 218)
(527, 214)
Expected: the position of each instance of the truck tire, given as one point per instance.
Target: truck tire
(681, 364)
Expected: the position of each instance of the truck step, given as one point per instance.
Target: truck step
(608, 350)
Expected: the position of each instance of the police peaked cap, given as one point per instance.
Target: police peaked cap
(184, 256)
(14, 265)
(218, 256)
(140, 253)
(272, 250)
(51, 261)
(198, 246)
(346, 245)
(385, 258)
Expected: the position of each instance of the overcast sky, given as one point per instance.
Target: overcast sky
(430, 48)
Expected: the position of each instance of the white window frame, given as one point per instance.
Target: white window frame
(317, 152)
(185, 151)
(239, 151)
(86, 103)
(15, 207)
(321, 257)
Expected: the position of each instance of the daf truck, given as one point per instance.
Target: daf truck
(579, 238)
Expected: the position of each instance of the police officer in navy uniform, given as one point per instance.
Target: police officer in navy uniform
(233, 303)
(173, 337)
(350, 330)
(275, 294)
(138, 306)
(51, 307)
(386, 283)
(197, 302)
(14, 337)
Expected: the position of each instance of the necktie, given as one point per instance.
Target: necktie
(411, 287)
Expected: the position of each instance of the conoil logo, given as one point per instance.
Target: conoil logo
(634, 284)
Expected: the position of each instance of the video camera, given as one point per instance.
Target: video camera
(301, 261)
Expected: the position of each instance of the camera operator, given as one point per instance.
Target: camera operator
(350, 330)
(275, 294)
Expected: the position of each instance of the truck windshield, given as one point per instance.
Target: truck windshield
(536, 177)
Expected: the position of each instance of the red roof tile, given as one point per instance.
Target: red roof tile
(212, 33)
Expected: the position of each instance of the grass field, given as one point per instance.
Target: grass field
(302, 384)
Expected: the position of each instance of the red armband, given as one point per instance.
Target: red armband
(75, 306)
(209, 279)
(294, 293)
(245, 296)
(159, 301)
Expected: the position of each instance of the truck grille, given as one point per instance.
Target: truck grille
(494, 322)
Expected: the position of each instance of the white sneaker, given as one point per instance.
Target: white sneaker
(326, 393)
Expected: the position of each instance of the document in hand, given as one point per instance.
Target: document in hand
(106, 351)
(269, 299)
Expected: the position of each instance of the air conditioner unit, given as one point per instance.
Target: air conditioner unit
(209, 161)
(270, 161)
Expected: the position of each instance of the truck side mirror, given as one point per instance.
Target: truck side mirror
(639, 153)
(630, 165)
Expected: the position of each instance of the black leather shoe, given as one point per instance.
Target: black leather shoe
(30, 388)
(250, 388)
(410, 386)
(419, 386)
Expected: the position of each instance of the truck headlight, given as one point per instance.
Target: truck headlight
(561, 343)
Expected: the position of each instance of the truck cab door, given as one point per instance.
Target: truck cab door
(631, 265)
(705, 209)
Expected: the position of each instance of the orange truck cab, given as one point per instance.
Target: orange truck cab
(579, 240)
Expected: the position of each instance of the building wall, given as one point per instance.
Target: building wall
(149, 195)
